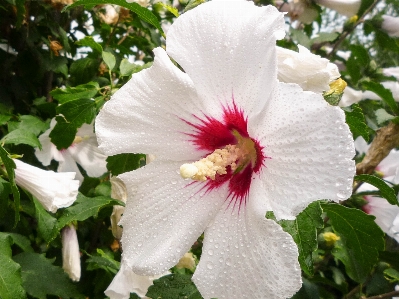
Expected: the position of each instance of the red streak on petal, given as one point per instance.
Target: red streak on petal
(211, 134)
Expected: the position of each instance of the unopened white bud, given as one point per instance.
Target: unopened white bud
(188, 170)
(70, 252)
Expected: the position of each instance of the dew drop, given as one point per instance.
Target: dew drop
(209, 265)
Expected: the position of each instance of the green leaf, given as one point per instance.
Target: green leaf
(21, 136)
(5, 191)
(21, 241)
(356, 122)
(83, 70)
(85, 91)
(392, 275)
(4, 119)
(143, 13)
(103, 261)
(75, 114)
(41, 278)
(304, 232)
(46, 224)
(171, 9)
(174, 286)
(365, 4)
(323, 37)
(85, 207)
(88, 41)
(10, 271)
(109, 59)
(78, 112)
(126, 68)
(32, 124)
(361, 239)
(384, 93)
(192, 4)
(385, 191)
(10, 166)
(357, 62)
(125, 162)
(63, 133)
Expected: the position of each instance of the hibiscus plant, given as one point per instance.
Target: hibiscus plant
(221, 149)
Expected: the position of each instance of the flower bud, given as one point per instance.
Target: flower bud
(53, 190)
(70, 252)
(118, 191)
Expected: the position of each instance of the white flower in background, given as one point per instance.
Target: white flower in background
(347, 8)
(118, 191)
(109, 14)
(269, 140)
(387, 215)
(391, 85)
(53, 190)
(390, 25)
(306, 69)
(126, 282)
(350, 96)
(300, 10)
(84, 151)
(143, 3)
(70, 252)
(391, 71)
(361, 145)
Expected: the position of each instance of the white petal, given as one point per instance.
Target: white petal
(68, 164)
(390, 25)
(70, 252)
(391, 71)
(306, 69)
(385, 213)
(246, 255)
(89, 156)
(49, 150)
(144, 116)
(53, 190)
(164, 216)
(361, 145)
(344, 7)
(389, 165)
(350, 97)
(310, 149)
(126, 282)
(228, 48)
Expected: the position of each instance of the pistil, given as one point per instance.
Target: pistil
(235, 156)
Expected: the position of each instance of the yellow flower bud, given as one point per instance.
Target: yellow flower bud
(330, 238)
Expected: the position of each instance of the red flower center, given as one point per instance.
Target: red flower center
(211, 134)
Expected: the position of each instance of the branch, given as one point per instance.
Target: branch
(350, 30)
(355, 290)
(382, 296)
(385, 140)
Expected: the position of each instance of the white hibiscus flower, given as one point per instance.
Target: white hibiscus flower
(53, 190)
(275, 147)
(84, 151)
